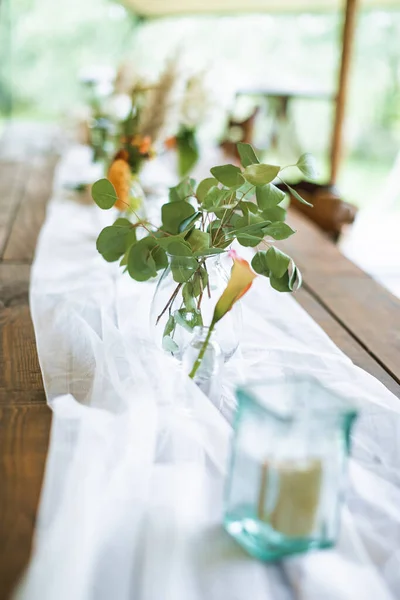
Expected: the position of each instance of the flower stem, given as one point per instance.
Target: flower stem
(202, 352)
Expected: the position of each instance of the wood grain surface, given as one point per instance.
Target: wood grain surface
(26, 174)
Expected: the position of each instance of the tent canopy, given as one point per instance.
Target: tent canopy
(160, 8)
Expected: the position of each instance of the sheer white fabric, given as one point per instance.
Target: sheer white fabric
(132, 499)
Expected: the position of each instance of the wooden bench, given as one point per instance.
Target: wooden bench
(355, 311)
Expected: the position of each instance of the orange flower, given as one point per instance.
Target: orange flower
(170, 143)
(119, 174)
(239, 283)
(145, 145)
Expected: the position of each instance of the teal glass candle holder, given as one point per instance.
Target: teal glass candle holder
(285, 485)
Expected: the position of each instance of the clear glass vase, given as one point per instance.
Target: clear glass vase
(208, 374)
(288, 461)
(185, 297)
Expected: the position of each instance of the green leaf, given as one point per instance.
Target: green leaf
(188, 152)
(122, 222)
(169, 345)
(308, 166)
(187, 223)
(297, 196)
(247, 207)
(246, 188)
(208, 252)
(269, 196)
(260, 174)
(228, 175)
(188, 319)
(174, 213)
(281, 284)
(114, 240)
(248, 239)
(217, 198)
(199, 240)
(249, 230)
(204, 187)
(250, 224)
(104, 194)
(247, 154)
(259, 263)
(296, 279)
(183, 264)
(219, 235)
(179, 247)
(170, 326)
(277, 262)
(145, 258)
(199, 281)
(277, 213)
(188, 296)
(183, 191)
(279, 230)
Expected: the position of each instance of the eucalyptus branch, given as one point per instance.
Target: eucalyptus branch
(170, 301)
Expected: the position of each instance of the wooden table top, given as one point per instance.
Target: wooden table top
(355, 311)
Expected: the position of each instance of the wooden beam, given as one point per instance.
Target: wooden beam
(343, 85)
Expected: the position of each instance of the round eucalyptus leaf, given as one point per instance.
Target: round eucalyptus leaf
(269, 196)
(260, 174)
(174, 213)
(259, 263)
(169, 345)
(277, 261)
(144, 258)
(204, 187)
(279, 230)
(308, 166)
(247, 154)
(281, 284)
(104, 194)
(114, 240)
(277, 213)
(179, 248)
(188, 319)
(199, 240)
(183, 267)
(228, 175)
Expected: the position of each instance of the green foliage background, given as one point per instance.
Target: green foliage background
(52, 41)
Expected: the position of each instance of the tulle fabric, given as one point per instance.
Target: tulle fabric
(132, 500)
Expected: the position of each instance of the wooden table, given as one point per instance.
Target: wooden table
(356, 312)
(26, 173)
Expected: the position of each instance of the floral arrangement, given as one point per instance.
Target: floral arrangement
(202, 220)
(194, 109)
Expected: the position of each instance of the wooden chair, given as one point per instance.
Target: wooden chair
(239, 131)
(329, 211)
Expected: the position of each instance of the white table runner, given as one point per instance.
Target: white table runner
(132, 498)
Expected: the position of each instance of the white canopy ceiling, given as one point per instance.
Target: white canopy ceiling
(158, 8)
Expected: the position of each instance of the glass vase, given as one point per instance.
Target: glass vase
(288, 462)
(185, 297)
(208, 375)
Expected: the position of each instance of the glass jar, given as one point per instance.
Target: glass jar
(185, 298)
(289, 453)
(208, 375)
